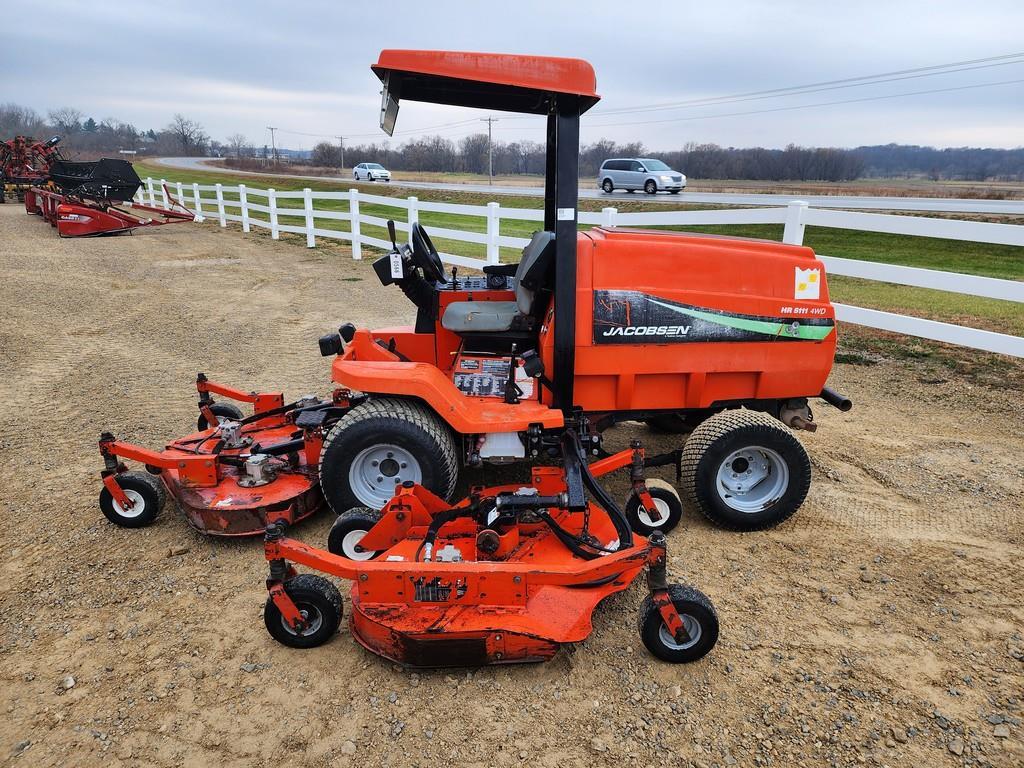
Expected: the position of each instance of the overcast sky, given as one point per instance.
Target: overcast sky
(304, 66)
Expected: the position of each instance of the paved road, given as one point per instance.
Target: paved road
(948, 205)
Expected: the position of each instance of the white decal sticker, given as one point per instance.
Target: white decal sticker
(807, 284)
(396, 266)
(566, 214)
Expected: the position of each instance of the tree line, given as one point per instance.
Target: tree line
(84, 136)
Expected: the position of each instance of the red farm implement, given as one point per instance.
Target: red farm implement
(94, 199)
(25, 163)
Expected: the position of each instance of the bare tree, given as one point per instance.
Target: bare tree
(67, 120)
(238, 144)
(188, 133)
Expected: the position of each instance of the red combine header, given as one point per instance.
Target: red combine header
(94, 198)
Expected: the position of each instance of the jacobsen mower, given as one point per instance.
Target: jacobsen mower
(724, 338)
(94, 199)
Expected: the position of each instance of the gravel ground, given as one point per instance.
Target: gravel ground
(882, 625)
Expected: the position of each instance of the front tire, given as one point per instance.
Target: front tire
(319, 602)
(651, 187)
(669, 505)
(675, 191)
(382, 443)
(349, 529)
(699, 619)
(147, 495)
(745, 470)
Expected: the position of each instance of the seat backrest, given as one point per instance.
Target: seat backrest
(532, 271)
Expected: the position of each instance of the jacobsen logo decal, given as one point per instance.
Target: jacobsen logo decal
(631, 317)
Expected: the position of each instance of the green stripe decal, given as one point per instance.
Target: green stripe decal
(767, 327)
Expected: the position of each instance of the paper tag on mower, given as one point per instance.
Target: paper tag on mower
(396, 266)
(566, 214)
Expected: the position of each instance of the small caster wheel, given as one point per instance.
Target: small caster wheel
(147, 495)
(666, 499)
(699, 620)
(221, 411)
(348, 530)
(319, 602)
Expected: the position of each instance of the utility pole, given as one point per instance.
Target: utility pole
(273, 144)
(490, 156)
(341, 143)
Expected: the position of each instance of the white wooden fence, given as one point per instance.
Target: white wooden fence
(795, 217)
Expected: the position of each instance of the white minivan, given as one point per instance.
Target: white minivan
(644, 173)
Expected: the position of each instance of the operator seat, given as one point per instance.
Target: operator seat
(498, 316)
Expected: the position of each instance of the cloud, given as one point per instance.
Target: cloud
(304, 66)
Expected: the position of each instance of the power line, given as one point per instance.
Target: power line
(807, 106)
(849, 82)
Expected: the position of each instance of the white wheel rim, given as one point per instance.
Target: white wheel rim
(349, 543)
(693, 630)
(137, 508)
(376, 471)
(644, 516)
(751, 479)
(314, 625)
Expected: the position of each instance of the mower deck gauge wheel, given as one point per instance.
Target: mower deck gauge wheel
(699, 620)
(319, 602)
(666, 499)
(145, 492)
(348, 530)
(223, 411)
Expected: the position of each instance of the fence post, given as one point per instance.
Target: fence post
(220, 205)
(413, 217)
(310, 235)
(608, 217)
(199, 203)
(149, 188)
(794, 231)
(244, 203)
(181, 195)
(493, 224)
(272, 204)
(353, 224)
(163, 191)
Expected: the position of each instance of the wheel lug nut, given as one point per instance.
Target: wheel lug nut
(390, 455)
(404, 465)
(374, 463)
(380, 478)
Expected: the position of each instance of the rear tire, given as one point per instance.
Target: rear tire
(745, 470)
(349, 529)
(318, 600)
(699, 618)
(382, 443)
(651, 187)
(607, 186)
(147, 495)
(666, 499)
(221, 411)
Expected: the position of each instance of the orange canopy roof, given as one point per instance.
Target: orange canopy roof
(490, 80)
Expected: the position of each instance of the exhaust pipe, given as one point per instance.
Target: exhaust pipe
(833, 398)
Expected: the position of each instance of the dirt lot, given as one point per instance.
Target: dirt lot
(882, 625)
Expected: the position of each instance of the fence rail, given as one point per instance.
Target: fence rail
(795, 218)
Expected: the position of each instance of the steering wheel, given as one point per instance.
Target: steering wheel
(425, 254)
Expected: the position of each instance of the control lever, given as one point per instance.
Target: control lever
(512, 390)
(391, 232)
(455, 279)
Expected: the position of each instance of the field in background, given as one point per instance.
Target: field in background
(932, 253)
(986, 190)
